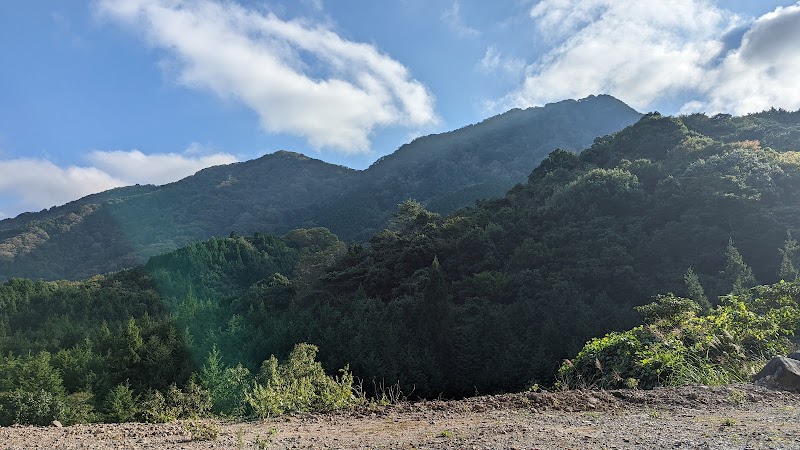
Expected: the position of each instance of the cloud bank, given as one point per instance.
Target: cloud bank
(300, 77)
(28, 184)
(650, 52)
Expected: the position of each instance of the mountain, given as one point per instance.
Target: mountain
(111, 231)
(282, 191)
(488, 299)
(449, 171)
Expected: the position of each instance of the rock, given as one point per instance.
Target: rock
(795, 355)
(780, 373)
(56, 424)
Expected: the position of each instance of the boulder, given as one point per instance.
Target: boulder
(56, 424)
(780, 373)
(795, 355)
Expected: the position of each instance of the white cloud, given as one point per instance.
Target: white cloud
(646, 52)
(28, 184)
(452, 18)
(762, 72)
(300, 77)
(135, 167)
(33, 184)
(494, 61)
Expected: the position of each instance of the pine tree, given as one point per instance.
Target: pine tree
(434, 321)
(696, 291)
(434, 300)
(788, 272)
(737, 273)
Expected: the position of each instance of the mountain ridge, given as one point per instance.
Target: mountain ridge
(285, 190)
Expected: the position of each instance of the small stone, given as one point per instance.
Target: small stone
(57, 424)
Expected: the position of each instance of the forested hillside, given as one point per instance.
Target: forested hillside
(491, 298)
(283, 191)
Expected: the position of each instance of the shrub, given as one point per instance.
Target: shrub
(121, 404)
(226, 385)
(677, 347)
(31, 408)
(154, 408)
(202, 431)
(190, 403)
(299, 385)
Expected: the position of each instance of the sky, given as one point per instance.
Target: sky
(107, 93)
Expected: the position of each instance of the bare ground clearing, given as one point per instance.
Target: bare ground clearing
(735, 417)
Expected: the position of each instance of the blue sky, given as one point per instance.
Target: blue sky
(105, 93)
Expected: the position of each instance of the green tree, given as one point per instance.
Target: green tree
(121, 404)
(788, 272)
(737, 273)
(695, 289)
(226, 385)
(434, 303)
(299, 385)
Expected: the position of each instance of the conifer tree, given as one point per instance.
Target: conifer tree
(696, 291)
(435, 297)
(737, 273)
(788, 272)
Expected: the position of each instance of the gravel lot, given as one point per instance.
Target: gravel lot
(728, 417)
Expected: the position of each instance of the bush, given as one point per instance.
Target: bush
(121, 404)
(202, 431)
(31, 408)
(226, 385)
(677, 347)
(193, 402)
(79, 408)
(299, 385)
(154, 408)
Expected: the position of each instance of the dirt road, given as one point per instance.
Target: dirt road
(729, 417)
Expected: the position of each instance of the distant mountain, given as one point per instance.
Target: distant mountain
(283, 191)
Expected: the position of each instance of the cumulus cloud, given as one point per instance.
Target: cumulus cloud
(762, 72)
(646, 52)
(135, 167)
(33, 184)
(28, 184)
(300, 77)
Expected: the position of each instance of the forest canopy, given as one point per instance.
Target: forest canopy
(488, 299)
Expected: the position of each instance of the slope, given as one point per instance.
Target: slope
(282, 191)
(491, 298)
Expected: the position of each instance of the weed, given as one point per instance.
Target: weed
(446, 434)
(388, 395)
(265, 442)
(728, 422)
(262, 443)
(737, 397)
(240, 438)
(202, 431)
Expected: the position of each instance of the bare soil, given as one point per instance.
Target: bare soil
(728, 417)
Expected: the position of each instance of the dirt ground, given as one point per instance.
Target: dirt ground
(728, 417)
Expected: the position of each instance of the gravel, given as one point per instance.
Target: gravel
(694, 417)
